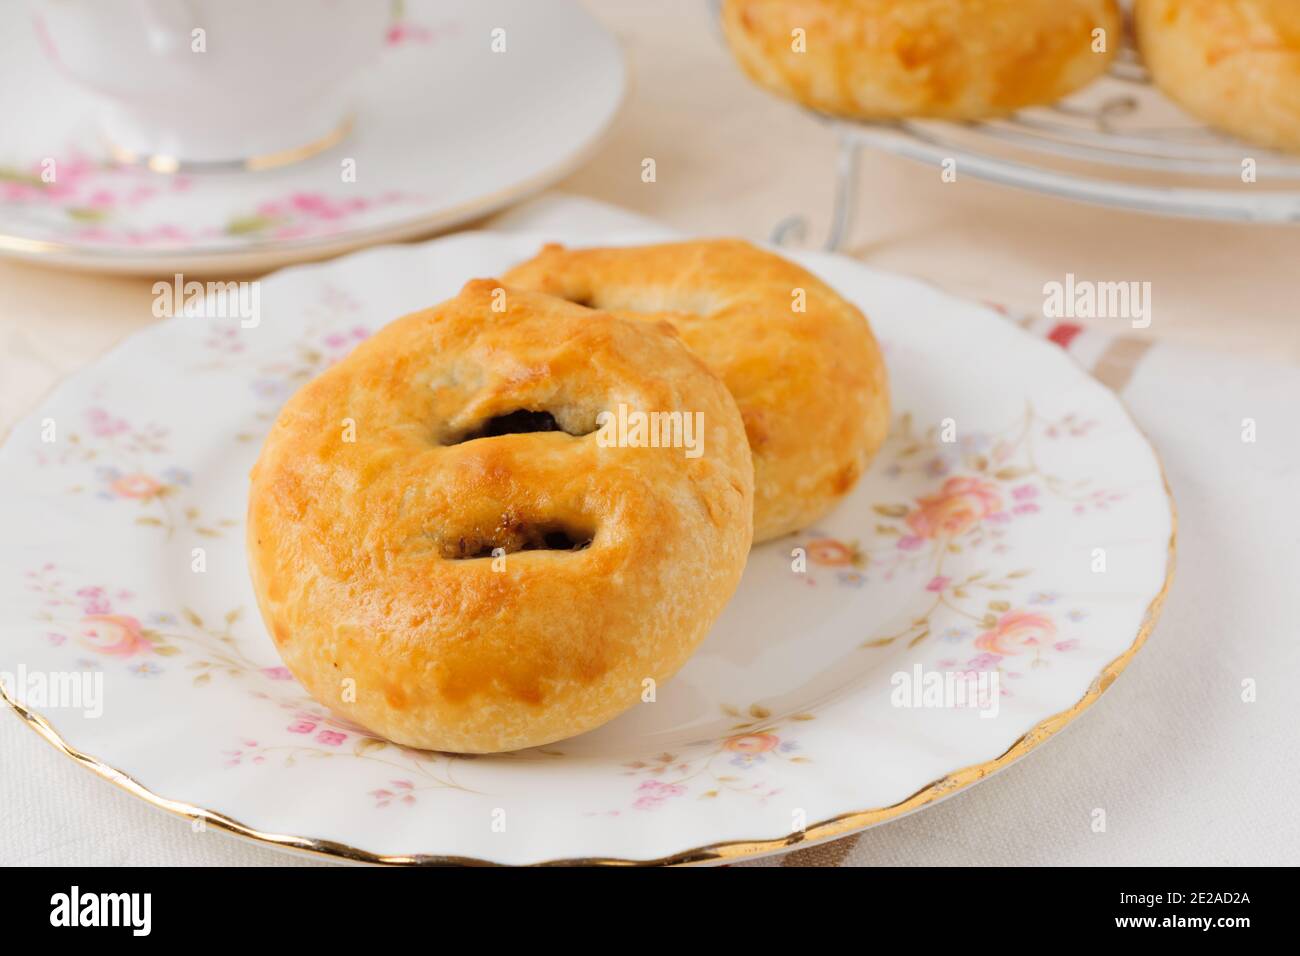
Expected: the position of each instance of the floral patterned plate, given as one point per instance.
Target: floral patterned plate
(1014, 537)
(447, 129)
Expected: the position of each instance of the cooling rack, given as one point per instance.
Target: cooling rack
(1119, 143)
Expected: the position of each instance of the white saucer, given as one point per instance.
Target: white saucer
(446, 130)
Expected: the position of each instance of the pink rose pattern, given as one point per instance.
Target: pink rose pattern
(92, 202)
(982, 484)
(98, 620)
(738, 765)
(130, 464)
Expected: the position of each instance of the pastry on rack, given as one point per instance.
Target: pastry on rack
(452, 546)
(1233, 63)
(949, 59)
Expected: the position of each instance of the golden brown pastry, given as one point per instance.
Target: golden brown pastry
(951, 59)
(1233, 63)
(810, 384)
(474, 430)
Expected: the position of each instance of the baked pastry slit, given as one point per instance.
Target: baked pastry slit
(513, 536)
(519, 422)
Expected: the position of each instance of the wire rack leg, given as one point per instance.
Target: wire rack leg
(795, 228)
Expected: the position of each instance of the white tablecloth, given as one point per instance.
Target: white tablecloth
(1186, 770)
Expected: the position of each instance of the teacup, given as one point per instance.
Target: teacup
(238, 83)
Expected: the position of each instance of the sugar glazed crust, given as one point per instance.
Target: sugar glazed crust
(475, 570)
(800, 360)
(949, 59)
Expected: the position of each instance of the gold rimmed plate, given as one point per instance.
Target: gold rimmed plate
(1014, 538)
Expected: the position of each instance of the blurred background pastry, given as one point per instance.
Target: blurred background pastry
(952, 59)
(1233, 63)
